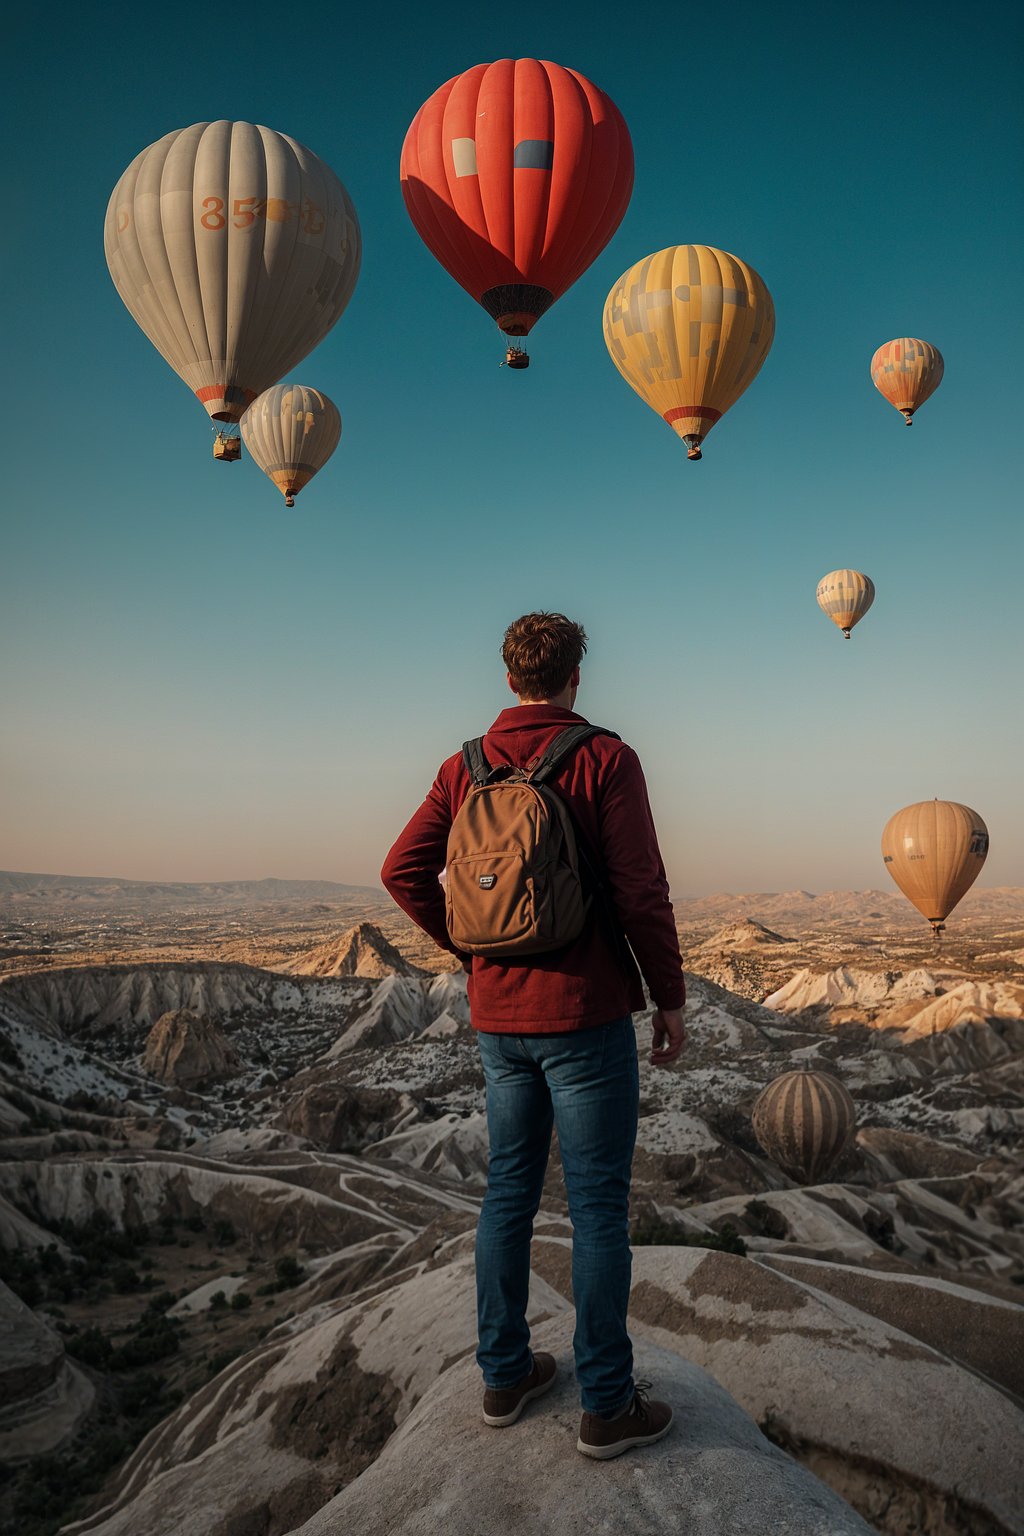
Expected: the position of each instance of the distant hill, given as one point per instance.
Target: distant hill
(804, 909)
(18, 891)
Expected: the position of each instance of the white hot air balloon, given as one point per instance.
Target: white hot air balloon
(236, 250)
(291, 431)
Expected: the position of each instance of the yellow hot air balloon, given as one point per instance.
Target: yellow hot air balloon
(934, 851)
(846, 597)
(291, 431)
(906, 372)
(803, 1120)
(688, 328)
(236, 250)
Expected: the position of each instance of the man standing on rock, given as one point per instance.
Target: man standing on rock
(553, 1024)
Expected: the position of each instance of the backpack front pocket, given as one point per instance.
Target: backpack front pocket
(489, 897)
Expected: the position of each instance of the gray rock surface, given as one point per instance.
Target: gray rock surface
(903, 1431)
(714, 1474)
(43, 1396)
(186, 1048)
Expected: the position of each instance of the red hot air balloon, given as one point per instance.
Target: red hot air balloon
(516, 175)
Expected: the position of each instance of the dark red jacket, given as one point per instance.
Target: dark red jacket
(593, 980)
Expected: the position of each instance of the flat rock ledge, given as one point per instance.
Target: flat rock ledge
(713, 1475)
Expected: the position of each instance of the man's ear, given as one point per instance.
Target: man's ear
(508, 679)
(574, 681)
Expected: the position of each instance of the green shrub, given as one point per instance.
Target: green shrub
(240, 1300)
(654, 1233)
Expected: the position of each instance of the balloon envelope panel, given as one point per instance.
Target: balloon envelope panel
(803, 1120)
(236, 250)
(934, 850)
(291, 431)
(516, 175)
(689, 328)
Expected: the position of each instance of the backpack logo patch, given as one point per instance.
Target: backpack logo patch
(487, 881)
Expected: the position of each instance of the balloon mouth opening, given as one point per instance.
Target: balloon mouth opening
(229, 413)
(516, 307)
(516, 325)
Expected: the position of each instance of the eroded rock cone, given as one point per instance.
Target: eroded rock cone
(360, 951)
(187, 1049)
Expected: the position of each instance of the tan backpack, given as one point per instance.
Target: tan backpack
(518, 881)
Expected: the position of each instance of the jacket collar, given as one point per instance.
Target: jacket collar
(524, 717)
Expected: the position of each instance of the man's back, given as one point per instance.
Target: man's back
(594, 978)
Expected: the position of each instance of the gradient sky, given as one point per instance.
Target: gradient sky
(198, 684)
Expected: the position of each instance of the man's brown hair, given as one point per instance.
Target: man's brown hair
(541, 652)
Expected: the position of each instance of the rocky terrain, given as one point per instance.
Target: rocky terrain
(237, 1298)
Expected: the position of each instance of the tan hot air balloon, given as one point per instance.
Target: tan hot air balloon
(906, 372)
(236, 250)
(688, 328)
(934, 851)
(846, 597)
(803, 1120)
(291, 431)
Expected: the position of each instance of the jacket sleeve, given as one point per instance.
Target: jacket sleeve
(637, 878)
(411, 869)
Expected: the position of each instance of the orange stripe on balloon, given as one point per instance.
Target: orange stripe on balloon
(229, 392)
(678, 411)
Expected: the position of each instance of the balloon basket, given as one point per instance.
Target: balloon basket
(227, 448)
(515, 357)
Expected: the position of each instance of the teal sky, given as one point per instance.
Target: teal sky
(198, 684)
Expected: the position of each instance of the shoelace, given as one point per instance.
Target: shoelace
(641, 1406)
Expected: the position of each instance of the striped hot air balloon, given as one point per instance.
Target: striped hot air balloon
(906, 371)
(688, 328)
(236, 250)
(291, 431)
(846, 597)
(803, 1120)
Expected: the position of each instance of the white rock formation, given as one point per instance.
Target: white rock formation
(403, 1006)
(713, 1475)
(889, 1421)
(43, 1396)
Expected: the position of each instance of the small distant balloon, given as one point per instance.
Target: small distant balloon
(688, 328)
(935, 850)
(291, 431)
(846, 597)
(906, 371)
(804, 1120)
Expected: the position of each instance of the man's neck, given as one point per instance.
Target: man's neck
(560, 701)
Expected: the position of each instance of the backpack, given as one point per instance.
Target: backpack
(515, 872)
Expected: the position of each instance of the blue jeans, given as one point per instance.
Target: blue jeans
(587, 1083)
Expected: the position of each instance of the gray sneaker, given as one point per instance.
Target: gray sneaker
(503, 1405)
(642, 1423)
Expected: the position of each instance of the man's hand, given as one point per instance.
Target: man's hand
(668, 1027)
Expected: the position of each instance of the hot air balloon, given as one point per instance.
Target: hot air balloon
(688, 328)
(291, 431)
(846, 597)
(934, 851)
(906, 372)
(803, 1120)
(236, 250)
(516, 175)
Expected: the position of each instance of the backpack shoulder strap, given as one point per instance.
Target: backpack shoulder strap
(542, 768)
(477, 766)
